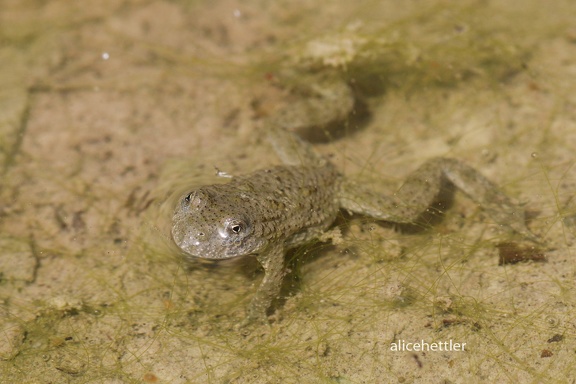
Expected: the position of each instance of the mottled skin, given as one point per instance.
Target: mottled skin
(262, 214)
(267, 212)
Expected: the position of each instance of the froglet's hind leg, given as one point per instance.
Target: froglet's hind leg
(327, 101)
(423, 186)
(324, 101)
(291, 149)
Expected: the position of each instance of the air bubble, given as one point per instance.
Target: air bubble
(552, 321)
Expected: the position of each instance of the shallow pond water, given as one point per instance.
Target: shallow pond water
(108, 110)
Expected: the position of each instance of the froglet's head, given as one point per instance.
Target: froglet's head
(213, 225)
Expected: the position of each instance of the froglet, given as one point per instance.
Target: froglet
(267, 212)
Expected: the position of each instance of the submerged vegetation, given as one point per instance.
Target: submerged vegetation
(91, 144)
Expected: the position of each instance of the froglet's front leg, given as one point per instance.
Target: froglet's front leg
(269, 289)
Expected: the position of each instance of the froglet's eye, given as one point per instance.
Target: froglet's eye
(188, 197)
(236, 227)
